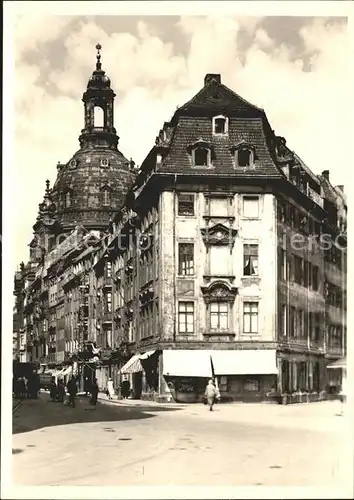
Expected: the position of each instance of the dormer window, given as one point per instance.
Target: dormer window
(201, 153)
(244, 158)
(104, 162)
(201, 156)
(73, 163)
(244, 155)
(220, 125)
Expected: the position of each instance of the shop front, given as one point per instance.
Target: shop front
(241, 375)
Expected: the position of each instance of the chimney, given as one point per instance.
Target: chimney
(212, 77)
(325, 174)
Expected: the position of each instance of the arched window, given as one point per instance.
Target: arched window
(201, 157)
(98, 117)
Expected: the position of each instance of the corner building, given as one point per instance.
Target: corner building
(216, 281)
(226, 258)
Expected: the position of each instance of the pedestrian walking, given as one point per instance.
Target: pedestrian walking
(94, 392)
(125, 388)
(210, 394)
(53, 391)
(72, 390)
(110, 389)
(61, 391)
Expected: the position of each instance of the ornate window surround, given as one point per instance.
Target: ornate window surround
(219, 291)
(219, 234)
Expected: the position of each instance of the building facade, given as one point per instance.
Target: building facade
(224, 256)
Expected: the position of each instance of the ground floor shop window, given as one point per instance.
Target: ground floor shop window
(251, 385)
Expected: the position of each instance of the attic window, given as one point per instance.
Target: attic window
(201, 157)
(73, 163)
(244, 158)
(200, 152)
(104, 162)
(220, 125)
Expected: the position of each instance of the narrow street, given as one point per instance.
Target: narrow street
(147, 444)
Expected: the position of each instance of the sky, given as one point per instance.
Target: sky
(296, 68)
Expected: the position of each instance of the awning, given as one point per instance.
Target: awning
(339, 363)
(245, 362)
(67, 371)
(133, 365)
(187, 363)
(147, 354)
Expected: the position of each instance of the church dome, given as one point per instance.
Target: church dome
(92, 186)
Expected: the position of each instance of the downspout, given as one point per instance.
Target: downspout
(174, 259)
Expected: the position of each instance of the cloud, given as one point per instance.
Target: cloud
(152, 77)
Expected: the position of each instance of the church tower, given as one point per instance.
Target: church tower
(91, 187)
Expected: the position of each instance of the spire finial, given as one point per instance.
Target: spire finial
(98, 56)
(47, 183)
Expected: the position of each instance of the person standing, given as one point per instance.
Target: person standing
(125, 388)
(94, 392)
(72, 390)
(110, 389)
(210, 394)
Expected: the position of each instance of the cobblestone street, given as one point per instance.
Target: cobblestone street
(137, 443)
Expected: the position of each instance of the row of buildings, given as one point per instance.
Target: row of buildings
(223, 255)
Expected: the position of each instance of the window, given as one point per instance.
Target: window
(306, 273)
(98, 117)
(185, 204)
(108, 302)
(292, 321)
(315, 277)
(218, 207)
(109, 269)
(283, 319)
(244, 157)
(299, 270)
(283, 262)
(106, 195)
(104, 162)
(185, 259)
(251, 207)
(301, 323)
(219, 260)
(220, 125)
(68, 199)
(251, 385)
(250, 317)
(186, 317)
(219, 316)
(201, 157)
(250, 260)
